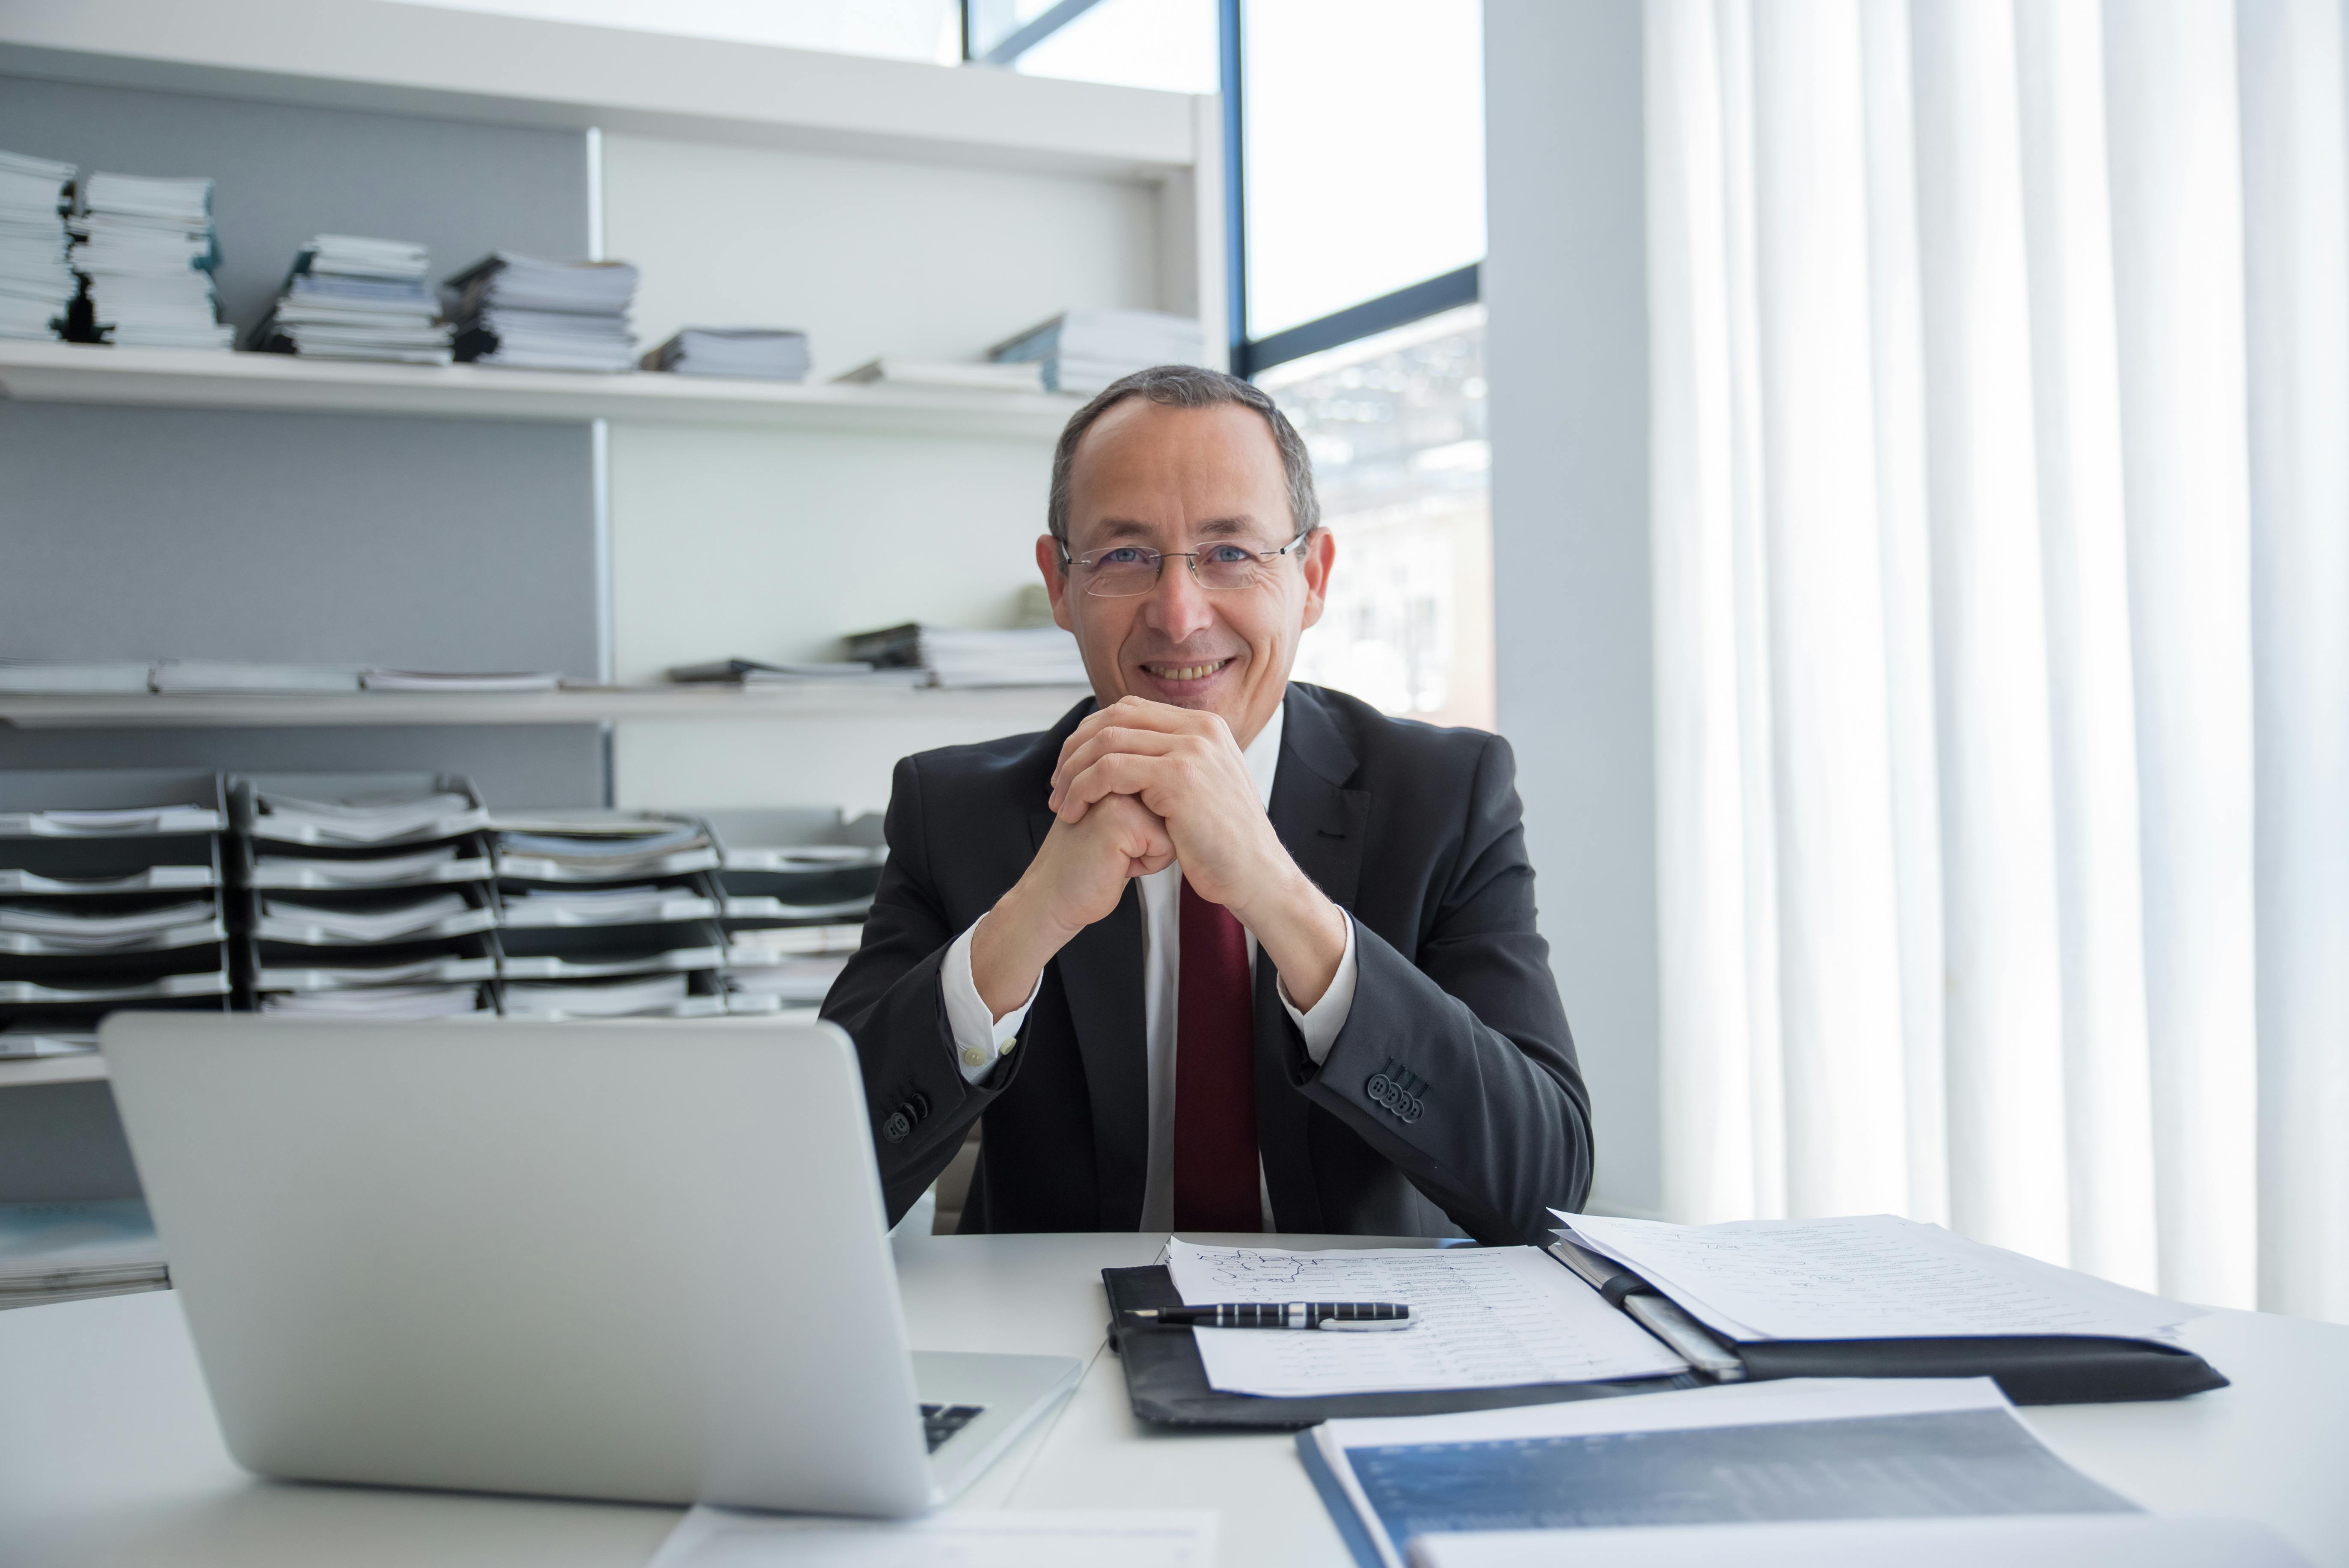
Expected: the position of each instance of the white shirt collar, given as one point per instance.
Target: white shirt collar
(1263, 753)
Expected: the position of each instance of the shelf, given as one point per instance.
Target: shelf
(597, 704)
(24, 1072)
(194, 378)
(381, 56)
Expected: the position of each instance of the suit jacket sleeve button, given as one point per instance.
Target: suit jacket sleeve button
(896, 1127)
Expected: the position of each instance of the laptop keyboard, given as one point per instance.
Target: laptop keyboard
(940, 1422)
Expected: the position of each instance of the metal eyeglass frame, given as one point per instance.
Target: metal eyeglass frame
(1161, 557)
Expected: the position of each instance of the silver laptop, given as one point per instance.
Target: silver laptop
(638, 1261)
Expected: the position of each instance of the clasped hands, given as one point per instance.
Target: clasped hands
(1141, 785)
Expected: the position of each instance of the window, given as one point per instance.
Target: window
(1395, 423)
(1354, 157)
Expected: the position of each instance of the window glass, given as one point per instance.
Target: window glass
(1396, 425)
(928, 30)
(1166, 43)
(1363, 122)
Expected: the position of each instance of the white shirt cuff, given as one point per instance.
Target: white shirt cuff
(980, 1038)
(1319, 1024)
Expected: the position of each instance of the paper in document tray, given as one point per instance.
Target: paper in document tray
(1167, 1383)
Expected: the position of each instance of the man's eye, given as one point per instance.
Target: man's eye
(1229, 554)
(1126, 555)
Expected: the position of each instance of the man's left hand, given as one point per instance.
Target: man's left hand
(1185, 768)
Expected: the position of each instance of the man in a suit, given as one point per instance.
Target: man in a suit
(1217, 952)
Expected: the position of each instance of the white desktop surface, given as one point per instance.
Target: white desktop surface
(109, 1454)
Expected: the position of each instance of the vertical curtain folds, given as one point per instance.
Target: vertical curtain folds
(2000, 516)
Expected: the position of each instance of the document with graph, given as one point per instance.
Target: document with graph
(1491, 1318)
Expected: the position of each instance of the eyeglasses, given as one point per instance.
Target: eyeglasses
(1123, 571)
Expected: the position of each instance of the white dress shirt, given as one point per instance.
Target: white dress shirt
(979, 1039)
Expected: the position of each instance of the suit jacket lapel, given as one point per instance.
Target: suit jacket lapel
(1323, 825)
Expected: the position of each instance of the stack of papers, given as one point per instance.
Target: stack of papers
(546, 315)
(380, 1001)
(1871, 1276)
(146, 249)
(960, 374)
(352, 298)
(222, 675)
(37, 288)
(763, 352)
(615, 848)
(48, 929)
(800, 981)
(1083, 351)
(368, 819)
(1022, 656)
(751, 672)
(459, 681)
(405, 918)
(657, 993)
(761, 947)
(66, 1251)
(636, 905)
(443, 864)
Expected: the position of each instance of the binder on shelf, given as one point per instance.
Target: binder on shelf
(111, 894)
(365, 894)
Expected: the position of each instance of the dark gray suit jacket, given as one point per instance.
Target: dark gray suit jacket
(1450, 1102)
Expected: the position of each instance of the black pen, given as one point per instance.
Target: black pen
(1332, 1314)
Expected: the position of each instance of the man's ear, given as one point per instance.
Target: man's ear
(1056, 579)
(1321, 550)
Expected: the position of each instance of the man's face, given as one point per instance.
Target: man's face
(1176, 480)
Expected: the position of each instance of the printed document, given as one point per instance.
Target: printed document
(1486, 1317)
(1866, 1277)
(974, 1538)
(2035, 1541)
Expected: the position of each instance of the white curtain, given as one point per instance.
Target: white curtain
(2000, 509)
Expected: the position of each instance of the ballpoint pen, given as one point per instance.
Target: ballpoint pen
(1355, 1316)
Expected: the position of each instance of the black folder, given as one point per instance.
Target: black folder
(1167, 1383)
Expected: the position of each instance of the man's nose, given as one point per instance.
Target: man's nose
(1179, 608)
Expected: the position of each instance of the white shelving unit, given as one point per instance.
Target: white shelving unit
(186, 378)
(591, 704)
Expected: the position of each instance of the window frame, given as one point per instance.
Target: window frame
(1249, 356)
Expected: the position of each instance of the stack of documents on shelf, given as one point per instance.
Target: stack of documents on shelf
(37, 286)
(461, 681)
(661, 994)
(382, 1002)
(1019, 657)
(763, 353)
(751, 672)
(110, 893)
(794, 982)
(959, 375)
(546, 315)
(225, 675)
(1771, 1453)
(352, 298)
(68, 1251)
(1083, 351)
(146, 249)
(750, 943)
(798, 882)
(366, 895)
(609, 914)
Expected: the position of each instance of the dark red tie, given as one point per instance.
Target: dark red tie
(1214, 1074)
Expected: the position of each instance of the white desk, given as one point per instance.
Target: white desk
(109, 1454)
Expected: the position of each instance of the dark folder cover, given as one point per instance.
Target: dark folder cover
(1167, 1383)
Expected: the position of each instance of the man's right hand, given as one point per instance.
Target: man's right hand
(1075, 879)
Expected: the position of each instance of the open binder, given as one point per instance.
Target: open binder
(1167, 1380)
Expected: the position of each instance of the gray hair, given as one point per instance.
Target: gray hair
(1188, 387)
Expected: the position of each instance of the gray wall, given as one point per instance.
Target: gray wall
(308, 538)
(1565, 282)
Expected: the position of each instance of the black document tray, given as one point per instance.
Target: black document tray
(1167, 1383)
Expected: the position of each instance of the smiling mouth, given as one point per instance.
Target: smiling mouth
(1184, 671)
